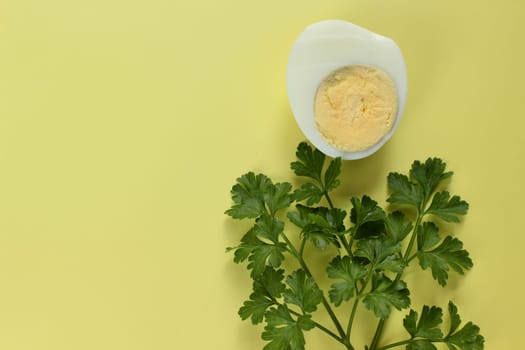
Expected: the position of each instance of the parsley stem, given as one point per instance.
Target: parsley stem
(292, 249)
(345, 244)
(393, 345)
(303, 244)
(352, 316)
(412, 258)
(327, 196)
(334, 319)
(329, 332)
(408, 251)
(377, 334)
(356, 303)
(326, 305)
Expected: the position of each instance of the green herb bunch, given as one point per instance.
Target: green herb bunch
(374, 249)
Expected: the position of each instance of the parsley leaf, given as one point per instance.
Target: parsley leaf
(427, 236)
(381, 254)
(449, 253)
(319, 225)
(266, 289)
(421, 344)
(268, 227)
(258, 252)
(427, 330)
(428, 325)
(329, 219)
(270, 283)
(429, 174)
(367, 217)
(386, 294)
(467, 338)
(455, 320)
(283, 332)
(278, 197)
(300, 218)
(309, 192)
(302, 291)
(255, 195)
(248, 243)
(310, 162)
(404, 192)
(265, 255)
(397, 226)
(331, 175)
(416, 190)
(247, 195)
(447, 208)
(350, 272)
(255, 308)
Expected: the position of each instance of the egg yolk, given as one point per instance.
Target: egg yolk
(355, 107)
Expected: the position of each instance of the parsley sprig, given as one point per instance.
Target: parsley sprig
(372, 254)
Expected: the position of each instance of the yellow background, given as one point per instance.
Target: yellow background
(123, 125)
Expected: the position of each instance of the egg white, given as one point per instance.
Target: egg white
(326, 46)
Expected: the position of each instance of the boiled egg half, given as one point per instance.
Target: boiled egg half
(347, 88)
